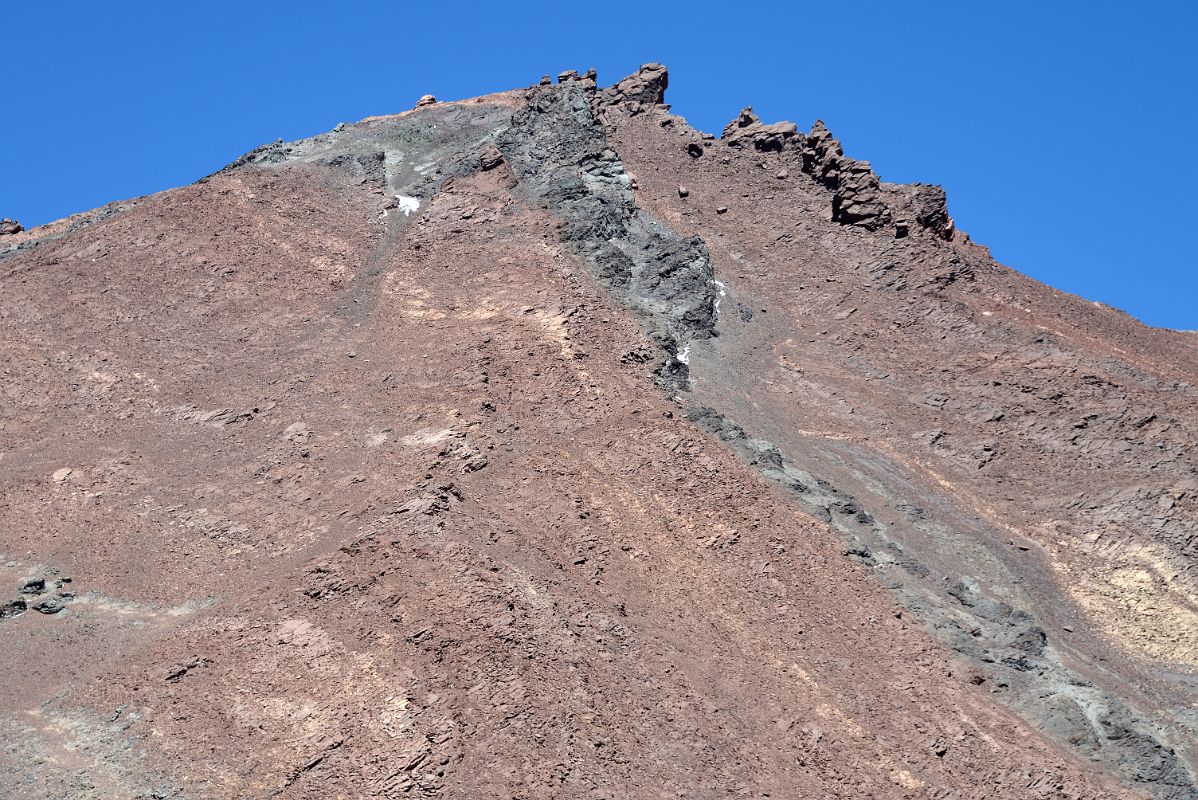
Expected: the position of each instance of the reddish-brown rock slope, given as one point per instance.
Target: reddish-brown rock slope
(460, 453)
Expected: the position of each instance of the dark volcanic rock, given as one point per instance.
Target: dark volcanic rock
(666, 278)
(33, 586)
(13, 608)
(50, 605)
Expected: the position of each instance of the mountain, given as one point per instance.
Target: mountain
(539, 445)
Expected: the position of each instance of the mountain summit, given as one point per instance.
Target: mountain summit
(539, 445)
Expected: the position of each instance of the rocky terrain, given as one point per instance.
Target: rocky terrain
(540, 445)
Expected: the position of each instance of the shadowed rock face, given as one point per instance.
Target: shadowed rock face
(464, 453)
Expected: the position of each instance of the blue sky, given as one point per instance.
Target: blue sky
(1063, 132)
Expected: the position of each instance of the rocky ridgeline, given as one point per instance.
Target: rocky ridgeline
(859, 197)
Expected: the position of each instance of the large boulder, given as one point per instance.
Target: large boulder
(646, 86)
(490, 158)
(9, 227)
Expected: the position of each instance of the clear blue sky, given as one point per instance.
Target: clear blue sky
(1064, 132)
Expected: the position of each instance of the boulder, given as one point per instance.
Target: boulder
(748, 130)
(490, 158)
(33, 586)
(426, 100)
(10, 226)
(646, 86)
(51, 605)
(13, 608)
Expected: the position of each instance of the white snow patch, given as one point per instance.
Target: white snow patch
(719, 285)
(685, 355)
(407, 204)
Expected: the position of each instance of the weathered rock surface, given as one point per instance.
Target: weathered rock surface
(858, 197)
(439, 456)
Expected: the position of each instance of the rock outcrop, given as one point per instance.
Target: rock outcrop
(645, 87)
(857, 195)
(857, 198)
(925, 204)
(9, 227)
(748, 130)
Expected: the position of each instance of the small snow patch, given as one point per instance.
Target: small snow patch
(720, 286)
(407, 204)
(685, 356)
